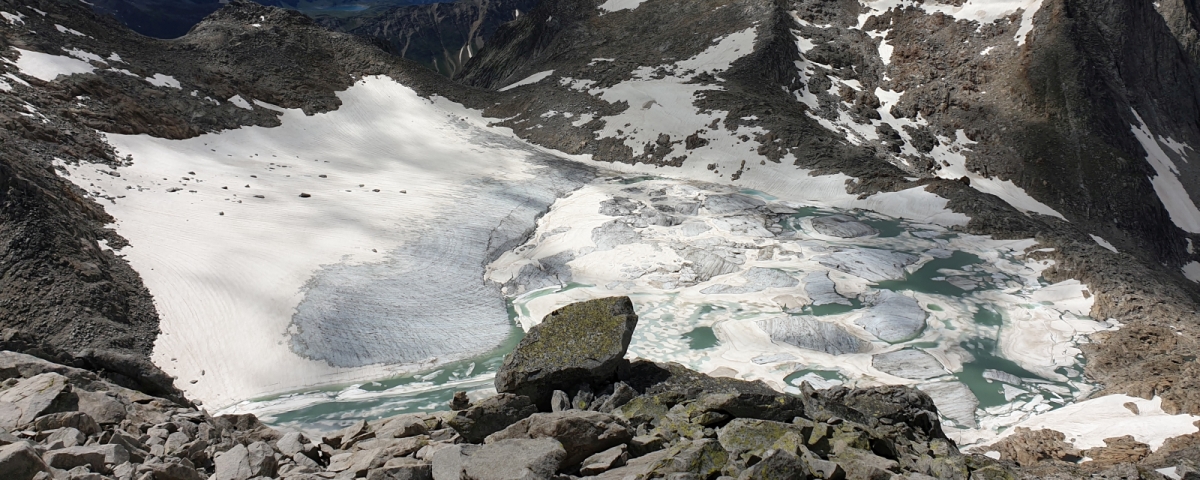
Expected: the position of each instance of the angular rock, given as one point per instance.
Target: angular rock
(842, 226)
(292, 443)
(19, 461)
(491, 415)
(173, 471)
(622, 394)
(581, 343)
(77, 420)
(909, 363)
(448, 462)
(262, 459)
(604, 461)
(29, 399)
(65, 437)
(894, 317)
(813, 334)
(71, 457)
(776, 464)
(528, 459)
(233, 464)
(703, 457)
(581, 433)
(460, 401)
(559, 401)
(402, 469)
(104, 407)
(357, 463)
(639, 467)
(403, 426)
(584, 398)
(744, 435)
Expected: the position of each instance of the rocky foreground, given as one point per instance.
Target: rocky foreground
(569, 406)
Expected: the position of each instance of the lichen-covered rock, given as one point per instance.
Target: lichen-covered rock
(581, 433)
(491, 415)
(743, 435)
(582, 343)
(703, 457)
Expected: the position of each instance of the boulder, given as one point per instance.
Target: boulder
(581, 433)
(491, 415)
(19, 461)
(65, 437)
(703, 457)
(77, 420)
(402, 469)
(261, 458)
(604, 461)
(29, 399)
(744, 435)
(104, 407)
(622, 394)
(403, 426)
(559, 401)
(358, 463)
(526, 459)
(173, 470)
(776, 464)
(233, 464)
(292, 443)
(581, 343)
(71, 457)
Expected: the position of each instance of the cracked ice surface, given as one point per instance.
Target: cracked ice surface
(899, 302)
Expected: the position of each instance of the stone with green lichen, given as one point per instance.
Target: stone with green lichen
(992, 472)
(950, 467)
(581, 343)
(646, 409)
(864, 464)
(704, 458)
(673, 426)
(777, 465)
(847, 435)
(749, 436)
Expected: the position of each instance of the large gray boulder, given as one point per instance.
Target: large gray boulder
(582, 433)
(19, 461)
(30, 398)
(515, 459)
(233, 464)
(581, 343)
(491, 415)
(71, 457)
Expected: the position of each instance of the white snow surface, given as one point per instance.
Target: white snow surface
(618, 5)
(1192, 271)
(1166, 183)
(530, 80)
(13, 18)
(240, 102)
(1104, 243)
(229, 271)
(63, 29)
(47, 67)
(1086, 424)
(160, 80)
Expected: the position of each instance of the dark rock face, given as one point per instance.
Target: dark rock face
(491, 415)
(582, 343)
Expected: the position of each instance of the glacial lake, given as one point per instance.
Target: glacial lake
(733, 283)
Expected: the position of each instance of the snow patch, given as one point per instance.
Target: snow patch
(240, 102)
(980, 11)
(618, 5)
(160, 80)
(532, 79)
(63, 29)
(115, 58)
(1170, 190)
(1104, 243)
(84, 55)
(1192, 271)
(13, 18)
(1086, 424)
(46, 67)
